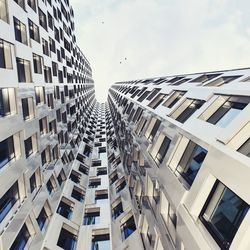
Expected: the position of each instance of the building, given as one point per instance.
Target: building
(184, 143)
(164, 164)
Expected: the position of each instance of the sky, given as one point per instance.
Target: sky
(136, 39)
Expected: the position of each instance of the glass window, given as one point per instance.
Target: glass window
(67, 240)
(3, 11)
(41, 219)
(101, 197)
(20, 31)
(223, 213)
(28, 147)
(21, 239)
(91, 218)
(120, 186)
(117, 210)
(191, 162)
(128, 228)
(33, 184)
(32, 4)
(34, 31)
(23, 70)
(42, 19)
(5, 54)
(100, 242)
(50, 186)
(7, 151)
(77, 194)
(152, 129)
(245, 148)
(226, 113)
(173, 99)
(37, 62)
(8, 200)
(21, 3)
(65, 209)
(5, 102)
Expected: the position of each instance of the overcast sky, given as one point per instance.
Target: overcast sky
(133, 39)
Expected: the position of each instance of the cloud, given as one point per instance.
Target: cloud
(160, 37)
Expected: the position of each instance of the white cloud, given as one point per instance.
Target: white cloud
(160, 37)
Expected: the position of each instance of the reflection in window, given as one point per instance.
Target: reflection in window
(21, 239)
(191, 162)
(100, 242)
(223, 213)
(128, 228)
(67, 240)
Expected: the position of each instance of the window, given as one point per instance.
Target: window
(94, 183)
(37, 62)
(7, 151)
(50, 101)
(50, 21)
(222, 214)
(75, 177)
(61, 177)
(245, 148)
(222, 80)
(33, 184)
(5, 54)
(191, 162)
(50, 185)
(21, 239)
(30, 145)
(65, 208)
(21, 3)
(141, 125)
(157, 101)
(159, 149)
(43, 125)
(101, 196)
(3, 11)
(8, 200)
(120, 185)
(128, 227)
(7, 102)
(23, 70)
(28, 108)
(42, 218)
(40, 95)
(204, 78)
(228, 111)
(117, 209)
(92, 217)
(42, 19)
(47, 74)
(78, 194)
(32, 4)
(45, 45)
(113, 177)
(83, 169)
(186, 109)
(20, 31)
(153, 94)
(100, 241)
(67, 240)
(45, 155)
(152, 128)
(101, 171)
(34, 31)
(173, 99)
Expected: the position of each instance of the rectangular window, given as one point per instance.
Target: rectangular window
(33, 183)
(20, 31)
(67, 240)
(120, 185)
(94, 183)
(32, 4)
(152, 128)
(21, 239)
(228, 111)
(7, 102)
(157, 101)
(83, 169)
(50, 185)
(92, 217)
(186, 109)
(191, 162)
(65, 208)
(222, 214)
(100, 241)
(42, 218)
(78, 194)
(45, 45)
(61, 177)
(23, 70)
(101, 196)
(40, 95)
(7, 151)
(117, 209)
(50, 101)
(21, 3)
(159, 148)
(34, 31)
(5, 54)
(28, 147)
(75, 177)
(222, 80)
(43, 125)
(3, 11)
(42, 19)
(173, 99)
(128, 227)
(37, 63)
(28, 108)
(8, 200)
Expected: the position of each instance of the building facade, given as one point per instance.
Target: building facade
(164, 164)
(185, 151)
